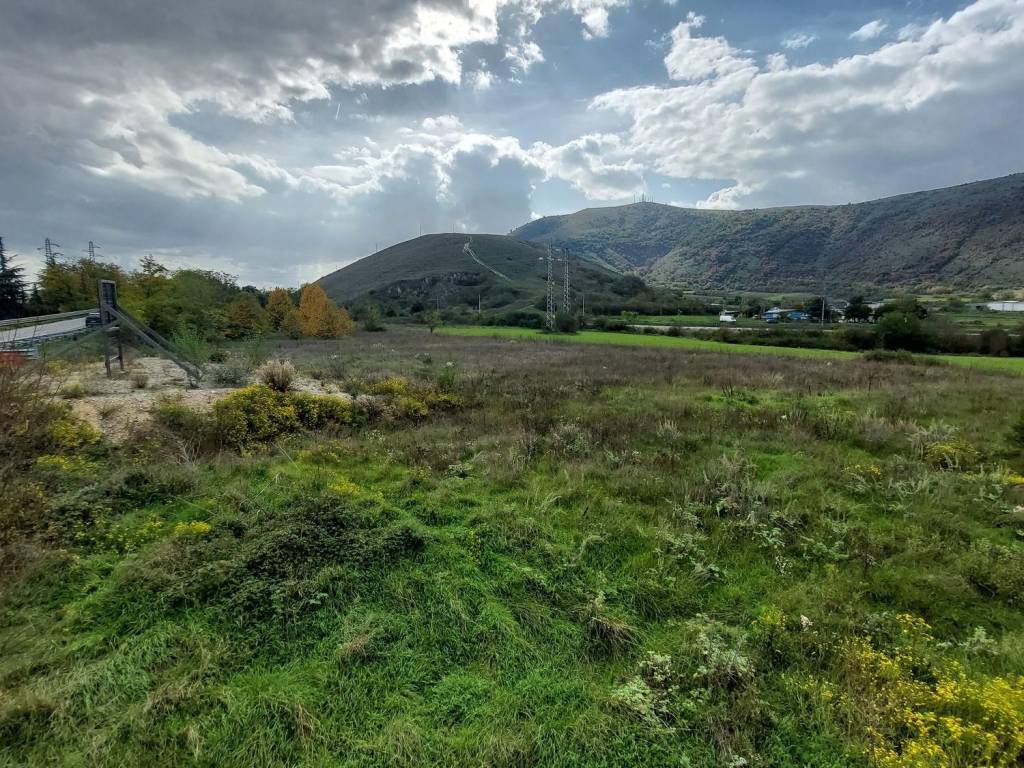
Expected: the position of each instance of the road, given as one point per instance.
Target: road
(29, 333)
(468, 248)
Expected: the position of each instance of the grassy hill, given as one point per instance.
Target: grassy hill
(965, 237)
(505, 273)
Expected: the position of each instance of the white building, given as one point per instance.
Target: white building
(1005, 306)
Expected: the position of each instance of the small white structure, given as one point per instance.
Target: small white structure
(1005, 306)
(726, 317)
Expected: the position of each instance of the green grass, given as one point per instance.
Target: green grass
(712, 321)
(1009, 365)
(596, 560)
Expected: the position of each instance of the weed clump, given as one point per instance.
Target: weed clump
(279, 375)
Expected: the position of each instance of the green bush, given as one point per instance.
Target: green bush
(1017, 432)
(259, 415)
(321, 411)
(566, 322)
(254, 415)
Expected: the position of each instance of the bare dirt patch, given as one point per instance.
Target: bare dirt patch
(118, 404)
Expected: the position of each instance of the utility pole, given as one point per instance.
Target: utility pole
(550, 316)
(50, 255)
(566, 294)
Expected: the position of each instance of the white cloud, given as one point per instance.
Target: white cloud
(481, 80)
(799, 40)
(694, 58)
(596, 165)
(912, 114)
(869, 31)
(98, 86)
(523, 56)
(594, 14)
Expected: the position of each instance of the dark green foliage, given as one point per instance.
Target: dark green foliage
(566, 322)
(1017, 431)
(902, 330)
(12, 286)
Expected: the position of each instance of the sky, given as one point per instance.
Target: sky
(278, 140)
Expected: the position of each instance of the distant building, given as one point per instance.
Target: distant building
(1005, 306)
(726, 317)
(775, 314)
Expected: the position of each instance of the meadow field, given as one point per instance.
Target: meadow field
(1007, 364)
(665, 552)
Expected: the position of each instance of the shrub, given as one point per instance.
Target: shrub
(320, 411)
(955, 453)
(566, 322)
(997, 570)
(73, 390)
(192, 346)
(69, 433)
(173, 414)
(912, 711)
(1017, 432)
(233, 373)
(254, 415)
(279, 375)
(139, 379)
(258, 415)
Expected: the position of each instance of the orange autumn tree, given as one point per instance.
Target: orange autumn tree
(279, 304)
(321, 317)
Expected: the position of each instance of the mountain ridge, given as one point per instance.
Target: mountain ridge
(969, 236)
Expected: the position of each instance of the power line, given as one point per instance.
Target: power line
(550, 316)
(566, 294)
(49, 254)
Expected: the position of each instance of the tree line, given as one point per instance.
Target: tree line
(206, 302)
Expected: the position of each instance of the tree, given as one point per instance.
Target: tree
(279, 306)
(566, 322)
(902, 330)
(12, 286)
(321, 317)
(372, 319)
(244, 317)
(291, 325)
(817, 307)
(857, 310)
(907, 305)
(433, 320)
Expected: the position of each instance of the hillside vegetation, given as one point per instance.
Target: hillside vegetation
(437, 270)
(966, 237)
